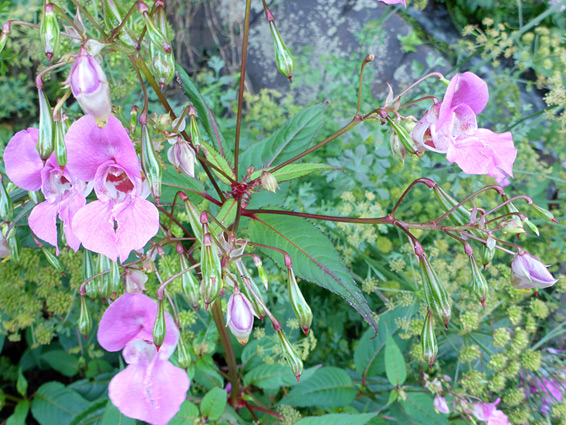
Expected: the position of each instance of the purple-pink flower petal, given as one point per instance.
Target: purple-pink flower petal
(394, 2)
(467, 89)
(94, 226)
(43, 222)
(137, 223)
(22, 161)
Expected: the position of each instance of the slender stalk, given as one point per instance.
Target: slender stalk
(508, 201)
(65, 17)
(242, 84)
(8, 27)
(177, 222)
(161, 289)
(495, 187)
(228, 351)
(416, 83)
(367, 60)
(423, 180)
(116, 31)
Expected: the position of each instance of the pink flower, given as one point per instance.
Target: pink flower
(90, 87)
(107, 156)
(528, 272)
(488, 413)
(134, 281)
(450, 127)
(552, 389)
(64, 192)
(182, 157)
(150, 388)
(440, 404)
(394, 2)
(239, 316)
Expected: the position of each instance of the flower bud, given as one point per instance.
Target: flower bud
(436, 296)
(542, 213)
(182, 157)
(90, 87)
(53, 260)
(189, 283)
(239, 316)
(261, 272)
(88, 272)
(428, 340)
(402, 130)
(115, 281)
(246, 280)
(488, 251)
(159, 327)
(85, 320)
(528, 272)
(269, 182)
(512, 226)
(60, 149)
(283, 56)
(134, 281)
(49, 31)
(150, 164)
(211, 271)
(46, 130)
(439, 404)
(291, 355)
(103, 282)
(6, 203)
(183, 355)
(479, 284)
(511, 208)
(193, 128)
(302, 310)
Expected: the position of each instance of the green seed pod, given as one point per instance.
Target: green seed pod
(511, 208)
(159, 327)
(60, 149)
(183, 355)
(428, 340)
(283, 57)
(302, 310)
(460, 216)
(115, 281)
(52, 259)
(194, 217)
(257, 307)
(479, 284)
(291, 355)
(46, 128)
(403, 139)
(487, 254)
(85, 320)
(189, 283)
(36, 196)
(15, 247)
(88, 272)
(194, 131)
(6, 203)
(436, 297)
(157, 38)
(103, 282)
(162, 66)
(112, 15)
(542, 213)
(261, 272)
(49, 31)
(211, 271)
(150, 164)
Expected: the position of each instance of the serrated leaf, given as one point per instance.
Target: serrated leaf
(395, 366)
(20, 414)
(112, 416)
(94, 388)
(171, 176)
(294, 171)
(55, 404)
(186, 414)
(418, 407)
(62, 362)
(204, 114)
(291, 139)
(275, 376)
(338, 419)
(314, 256)
(92, 415)
(226, 216)
(218, 161)
(328, 387)
(213, 404)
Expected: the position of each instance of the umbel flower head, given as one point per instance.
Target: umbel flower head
(150, 388)
(528, 272)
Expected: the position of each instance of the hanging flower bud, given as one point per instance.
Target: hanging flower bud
(291, 355)
(283, 56)
(134, 281)
(159, 327)
(428, 340)
(479, 284)
(88, 272)
(528, 272)
(440, 405)
(435, 294)
(542, 213)
(53, 260)
(189, 283)
(511, 208)
(300, 307)
(46, 130)
(269, 182)
(183, 355)
(194, 217)
(49, 31)
(239, 316)
(60, 149)
(211, 271)
(6, 203)
(115, 281)
(261, 271)
(150, 164)
(156, 37)
(512, 226)
(193, 127)
(182, 157)
(103, 282)
(488, 251)
(85, 320)
(90, 87)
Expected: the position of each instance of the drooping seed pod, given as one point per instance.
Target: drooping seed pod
(4, 36)
(88, 272)
(291, 355)
(436, 297)
(53, 260)
(479, 284)
(302, 310)
(194, 217)
(189, 283)
(103, 282)
(150, 164)
(401, 141)
(45, 138)
(156, 37)
(60, 149)
(488, 251)
(6, 203)
(159, 327)
(162, 64)
(428, 340)
(211, 268)
(115, 280)
(261, 271)
(543, 213)
(244, 280)
(15, 247)
(49, 31)
(194, 132)
(283, 56)
(511, 208)
(85, 320)
(183, 354)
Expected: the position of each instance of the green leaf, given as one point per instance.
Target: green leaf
(186, 414)
(213, 404)
(20, 414)
(173, 177)
(294, 171)
(275, 376)
(395, 366)
(93, 388)
(55, 404)
(112, 416)
(314, 256)
(21, 383)
(203, 112)
(328, 387)
(338, 419)
(265, 198)
(418, 407)
(291, 139)
(62, 362)
(93, 414)
(206, 374)
(226, 215)
(218, 161)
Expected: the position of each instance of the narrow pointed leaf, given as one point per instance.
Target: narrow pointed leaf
(218, 161)
(294, 171)
(395, 366)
